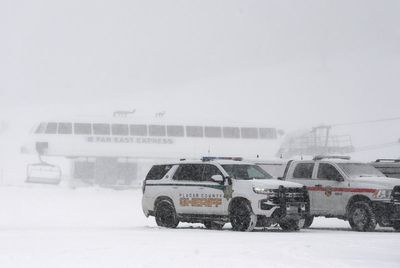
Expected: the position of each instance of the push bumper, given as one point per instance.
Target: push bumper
(386, 212)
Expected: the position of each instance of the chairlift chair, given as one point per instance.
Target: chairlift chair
(43, 173)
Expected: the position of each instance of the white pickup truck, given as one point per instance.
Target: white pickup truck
(349, 190)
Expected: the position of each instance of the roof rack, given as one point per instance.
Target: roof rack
(320, 157)
(212, 158)
(387, 160)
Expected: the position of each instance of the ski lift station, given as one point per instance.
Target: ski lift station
(120, 150)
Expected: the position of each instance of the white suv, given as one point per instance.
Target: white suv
(214, 192)
(349, 190)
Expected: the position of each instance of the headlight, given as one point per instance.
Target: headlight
(382, 194)
(268, 192)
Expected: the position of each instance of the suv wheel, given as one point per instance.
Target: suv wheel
(242, 217)
(213, 225)
(361, 217)
(289, 225)
(308, 220)
(165, 214)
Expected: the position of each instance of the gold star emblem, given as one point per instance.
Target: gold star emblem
(228, 191)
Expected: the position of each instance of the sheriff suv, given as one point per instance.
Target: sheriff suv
(349, 190)
(216, 191)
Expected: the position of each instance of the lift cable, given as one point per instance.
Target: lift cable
(366, 122)
(375, 147)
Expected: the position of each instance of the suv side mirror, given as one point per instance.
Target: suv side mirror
(339, 178)
(217, 178)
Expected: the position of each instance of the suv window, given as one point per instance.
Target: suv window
(189, 172)
(209, 171)
(303, 171)
(158, 172)
(328, 172)
(246, 172)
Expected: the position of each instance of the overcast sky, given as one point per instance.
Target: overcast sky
(283, 63)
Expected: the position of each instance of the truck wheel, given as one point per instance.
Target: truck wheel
(396, 226)
(308, 220)
(213, 225)
(289, 225)
(242, 217)
(165, 214)
(361, 217)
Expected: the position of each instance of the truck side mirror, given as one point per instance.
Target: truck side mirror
(217, 178)
(339, 178)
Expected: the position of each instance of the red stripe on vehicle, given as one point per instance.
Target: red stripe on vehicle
(333, 189)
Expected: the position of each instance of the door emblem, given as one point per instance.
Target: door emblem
(228, 191)
(328, 191)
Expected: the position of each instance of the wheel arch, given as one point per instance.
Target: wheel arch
(163, 198)
(237, 200)
(356, 198)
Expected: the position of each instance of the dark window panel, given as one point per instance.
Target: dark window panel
(51, 128)
(194, 131)
(41, 128)
(268, 133)
(120, 129)
(231, 132)
(64, 128)
(157, 130)
(82, 129)
(213, 132)
(175, 131)
(138, 130)
(101, 129)
(249, 133)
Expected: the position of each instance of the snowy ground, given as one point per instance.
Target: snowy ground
(46, 226)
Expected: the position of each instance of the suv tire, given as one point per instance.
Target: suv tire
(165, 214)
(289, 225)
(361, 217)
(213, 225)
(308, 220)
(242, 217)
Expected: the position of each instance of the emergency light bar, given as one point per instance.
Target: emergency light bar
(211, 158)
(320, 157)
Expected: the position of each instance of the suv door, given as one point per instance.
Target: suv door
(328, 190)
(194, 192)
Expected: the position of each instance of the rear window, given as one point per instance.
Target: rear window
(158, 172)
(189, 172)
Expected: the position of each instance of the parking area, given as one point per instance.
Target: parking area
(45, 226)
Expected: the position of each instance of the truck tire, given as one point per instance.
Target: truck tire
(362, 217)
(165, 214)
(242, 217)
(308, 220)
(289, 225)
(213, 225)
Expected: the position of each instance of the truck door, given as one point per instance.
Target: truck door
(328, 190)
(303, 174)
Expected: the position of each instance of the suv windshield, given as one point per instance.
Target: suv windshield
(356, 170)
(246, 172)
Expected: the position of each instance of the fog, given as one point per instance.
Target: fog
(285, 63)
(290, 65)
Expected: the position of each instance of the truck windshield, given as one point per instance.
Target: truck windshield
(246, 172)
(357, 170)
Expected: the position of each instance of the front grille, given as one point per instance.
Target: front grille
(396, 194)
(290, 195)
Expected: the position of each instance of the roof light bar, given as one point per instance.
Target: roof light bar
(320, 157)
(212, 158)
